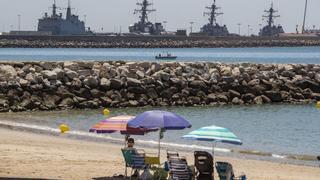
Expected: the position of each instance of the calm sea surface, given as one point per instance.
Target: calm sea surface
(277, 129)
(257, 55)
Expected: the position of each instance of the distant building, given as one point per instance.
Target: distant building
(57, 25)
(270, 29)
(181, 32)
(213, 28)
(144, 26)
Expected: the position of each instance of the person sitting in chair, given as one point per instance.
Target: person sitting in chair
(130, 144)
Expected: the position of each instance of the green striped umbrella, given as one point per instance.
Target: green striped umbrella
(214, 134)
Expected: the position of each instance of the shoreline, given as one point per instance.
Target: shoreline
(42, 156)
(293, 159)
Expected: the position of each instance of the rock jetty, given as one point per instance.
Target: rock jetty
(149, 42)
(63, 85)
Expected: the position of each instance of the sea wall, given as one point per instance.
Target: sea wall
(61, 85)
(152, 42)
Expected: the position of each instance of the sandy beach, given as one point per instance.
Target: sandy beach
(29, 155)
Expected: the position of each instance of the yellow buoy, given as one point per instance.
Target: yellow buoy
(106, 112)
(318, 104)
(64, 128)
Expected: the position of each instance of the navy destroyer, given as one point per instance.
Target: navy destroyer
(270, 29)
(213, 28)
(57, 25)
(144, 26)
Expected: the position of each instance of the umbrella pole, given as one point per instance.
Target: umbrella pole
(159, 143)
(125, 164)
(213, 145)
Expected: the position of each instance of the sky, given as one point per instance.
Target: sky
(113, 15)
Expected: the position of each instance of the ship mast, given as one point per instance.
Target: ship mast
(213, 13)
(54, 9)
(271, 16)
(69, 10)
(304, 17)
(144, 11)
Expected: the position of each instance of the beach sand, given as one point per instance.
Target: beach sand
(31, 155)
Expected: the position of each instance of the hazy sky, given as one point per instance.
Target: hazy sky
(113, 14)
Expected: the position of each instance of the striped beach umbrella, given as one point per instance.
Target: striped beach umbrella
(117, 124)
(214, 134)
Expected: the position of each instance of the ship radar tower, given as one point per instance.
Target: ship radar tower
(144, 26)
(270, 29)
(213, 13)
(271, 15)
(213, 28)
(144, 11)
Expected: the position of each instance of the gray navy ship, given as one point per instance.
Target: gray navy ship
(270, 29)
(213, 28)
(57, 25)
(144, 26)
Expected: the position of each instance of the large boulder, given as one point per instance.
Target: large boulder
(162, 75)
(133, 82)
(226, 71)
(194, 100)
(23, 82)
(116, 83)
(66, 103)
(258, 100)
(305, 83)
(105, 83)
(237, 101)
(51, 75)
(71, 65)
(222, 98)
(85, 72)
(7, 72)
(50, 101)
(197, 84)
(248, 97)
(47, 65)
(76, 83)
(71, 74)
(59, 72)
(234, 94)
(91, 81)
(152, 93)
(235, 72)
(274, 96)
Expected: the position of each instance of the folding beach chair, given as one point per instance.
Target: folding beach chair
(178, 167)
(134, 160)
(225, 172)
(204, 165)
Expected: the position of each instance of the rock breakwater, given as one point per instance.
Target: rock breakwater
(62, 85)
(150, 42)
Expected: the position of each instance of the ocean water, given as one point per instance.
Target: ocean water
(227, 55)
(278, 131)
